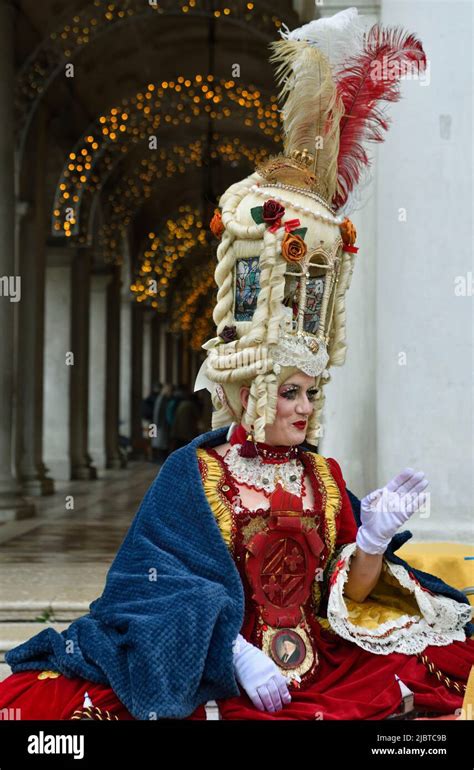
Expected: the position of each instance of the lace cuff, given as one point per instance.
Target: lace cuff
(399, 615)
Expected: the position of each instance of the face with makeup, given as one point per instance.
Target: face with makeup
(295, 404)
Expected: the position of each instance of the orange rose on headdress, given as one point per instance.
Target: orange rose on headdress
(348, 232)
(216, 225)
(293, 248)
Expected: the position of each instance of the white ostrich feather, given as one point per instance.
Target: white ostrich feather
(338, 37)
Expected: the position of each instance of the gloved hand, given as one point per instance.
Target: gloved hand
(259, 676)
(382, 512)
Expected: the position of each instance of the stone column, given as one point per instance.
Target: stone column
(155, 349)
(185, 362)
(125, 347)
(137, 377)
(97, 368)
(113, 456)
(81, 463)
(169, 347)
(146, 384)
(58, 362)
(163, 373)
(176, 359)
(194, 367)
(31, 470)
(12, 504)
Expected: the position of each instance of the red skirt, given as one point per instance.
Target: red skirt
(354, 684)
(25, 696)
(351, 684)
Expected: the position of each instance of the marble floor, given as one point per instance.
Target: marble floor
(82, 522)
(53, 565)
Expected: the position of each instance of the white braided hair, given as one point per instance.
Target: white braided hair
(248, 359)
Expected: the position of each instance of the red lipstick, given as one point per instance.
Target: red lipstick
(301, 424)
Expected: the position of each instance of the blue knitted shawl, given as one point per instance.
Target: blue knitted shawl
(161, 633)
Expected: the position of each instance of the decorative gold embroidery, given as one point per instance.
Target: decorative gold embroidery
(202, 468)
(333, 499)
(257, 524)
(212, 482)
(49, 675)
(306, 664)
(307, 523)
(324, 623)
(213, 479)
(332, 502)
(316, 594)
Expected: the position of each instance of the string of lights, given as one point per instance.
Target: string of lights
(129, 192)
(73, 33)
(138, 119)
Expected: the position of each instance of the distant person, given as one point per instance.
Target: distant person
(160, 442)
(185, 421)
(149, 402)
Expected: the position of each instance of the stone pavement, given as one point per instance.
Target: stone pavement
(54, 565)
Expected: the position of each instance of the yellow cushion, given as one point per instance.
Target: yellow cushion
(467, 712)
(387, 601)
(445, 560)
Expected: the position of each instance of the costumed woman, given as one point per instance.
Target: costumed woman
(250, 575)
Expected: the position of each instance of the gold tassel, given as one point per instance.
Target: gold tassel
(94, 712)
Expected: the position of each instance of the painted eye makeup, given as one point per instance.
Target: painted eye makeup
(292, 392)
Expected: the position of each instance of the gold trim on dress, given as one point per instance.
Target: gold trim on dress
(212, 482)
(332, 502)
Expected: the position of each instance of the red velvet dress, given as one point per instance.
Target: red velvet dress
(344, 681)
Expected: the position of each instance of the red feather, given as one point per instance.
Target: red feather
(371, 76)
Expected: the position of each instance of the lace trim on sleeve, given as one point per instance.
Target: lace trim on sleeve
(438, 621)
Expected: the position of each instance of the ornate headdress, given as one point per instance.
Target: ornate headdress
(287, 248)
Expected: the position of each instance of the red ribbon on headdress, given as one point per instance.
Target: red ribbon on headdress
(290, 225)
(351, 249)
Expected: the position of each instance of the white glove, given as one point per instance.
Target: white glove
(385, 510)
(259, 676)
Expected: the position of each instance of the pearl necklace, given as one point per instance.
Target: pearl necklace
(315, 214)
(252, 471)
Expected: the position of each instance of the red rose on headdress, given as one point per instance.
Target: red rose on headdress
(228, 333)
(272, 211)
(216, 225)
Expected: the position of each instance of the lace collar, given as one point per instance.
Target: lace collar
(272, 465)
